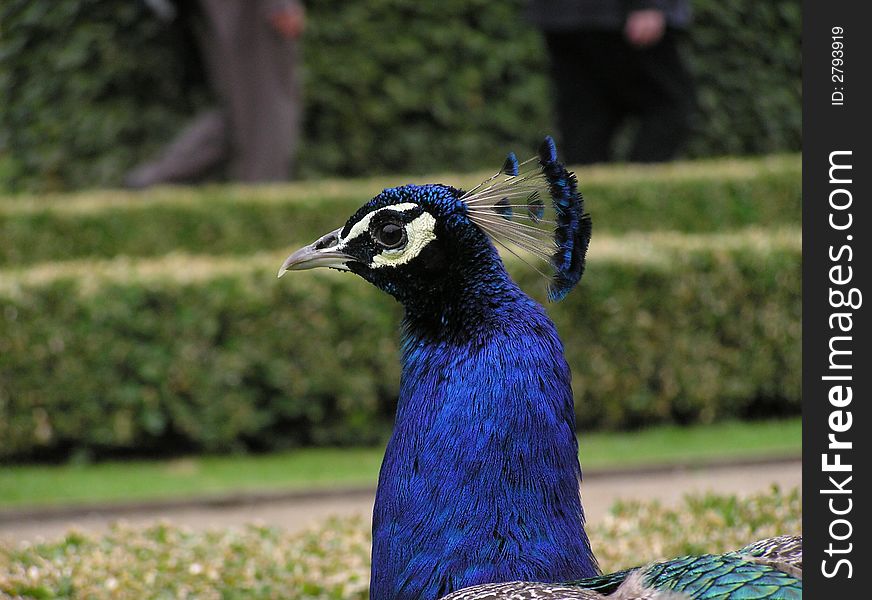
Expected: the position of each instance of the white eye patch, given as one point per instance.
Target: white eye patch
(363, 225)
(419, 232)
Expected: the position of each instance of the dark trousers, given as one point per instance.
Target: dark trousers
(600, 79)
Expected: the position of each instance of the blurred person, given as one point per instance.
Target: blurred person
(250, 50)
(611, 59)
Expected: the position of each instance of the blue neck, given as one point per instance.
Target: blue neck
(480, 478)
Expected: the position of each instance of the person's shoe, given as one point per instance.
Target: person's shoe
(145, 175)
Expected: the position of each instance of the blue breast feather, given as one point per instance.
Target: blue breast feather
(480, 478)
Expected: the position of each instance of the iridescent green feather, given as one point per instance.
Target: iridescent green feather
(723, 577)
(709, 577)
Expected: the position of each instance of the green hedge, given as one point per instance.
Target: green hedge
(702, 196)
(90, 87)
(200, 353)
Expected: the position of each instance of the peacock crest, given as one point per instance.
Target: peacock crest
(535, 207)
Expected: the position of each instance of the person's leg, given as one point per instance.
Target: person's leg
(256, 75)
(267, 112)
(199, 148)
(586, 117)
(204, 143)
(665, 101)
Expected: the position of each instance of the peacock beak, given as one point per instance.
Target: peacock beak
(324, 252)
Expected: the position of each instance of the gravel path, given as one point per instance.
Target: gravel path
(599, 492)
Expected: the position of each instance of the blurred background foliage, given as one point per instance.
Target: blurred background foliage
(148, 323)
(91, 87)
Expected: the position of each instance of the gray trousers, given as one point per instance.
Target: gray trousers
(253, 70)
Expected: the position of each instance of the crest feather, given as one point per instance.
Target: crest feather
(511, 208)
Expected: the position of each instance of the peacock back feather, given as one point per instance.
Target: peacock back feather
(770, 569)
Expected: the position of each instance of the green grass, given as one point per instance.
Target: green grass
(698, 443)
(325, 468)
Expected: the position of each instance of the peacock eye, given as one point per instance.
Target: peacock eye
(390, 235)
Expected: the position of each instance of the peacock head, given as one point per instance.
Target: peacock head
(422, 242)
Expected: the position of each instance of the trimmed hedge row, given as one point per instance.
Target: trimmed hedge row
(188, 353)
(702, 196)
(390, 85)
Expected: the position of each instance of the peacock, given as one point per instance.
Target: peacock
(478, 494)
